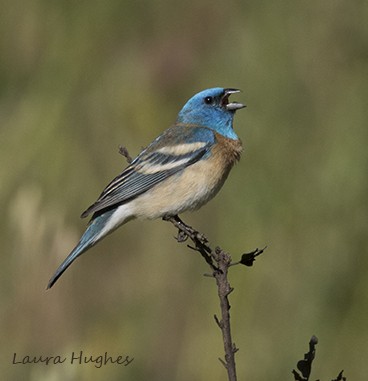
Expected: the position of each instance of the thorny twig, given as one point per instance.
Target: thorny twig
(124, 152)
(305, 366)
(219, 261)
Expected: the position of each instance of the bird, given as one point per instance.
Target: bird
(181, 170)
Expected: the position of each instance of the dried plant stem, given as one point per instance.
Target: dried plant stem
(224, 289)
(219, 261)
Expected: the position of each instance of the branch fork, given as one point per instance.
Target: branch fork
(219, 262)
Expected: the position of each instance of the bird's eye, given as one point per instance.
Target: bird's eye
(208, 100)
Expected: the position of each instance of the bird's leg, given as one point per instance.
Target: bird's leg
(200, 241)
(183, 229)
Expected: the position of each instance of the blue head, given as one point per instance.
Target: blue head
(211, 108)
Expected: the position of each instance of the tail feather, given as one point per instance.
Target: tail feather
(96, 230)
(77, 251)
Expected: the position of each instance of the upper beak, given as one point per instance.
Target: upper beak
(233, 106)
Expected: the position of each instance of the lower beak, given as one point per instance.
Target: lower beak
(233, 106)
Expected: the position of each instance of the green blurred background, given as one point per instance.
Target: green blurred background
(78, 78)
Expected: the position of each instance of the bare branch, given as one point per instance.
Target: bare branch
(219, 262)
(124, 151)
(305, 366)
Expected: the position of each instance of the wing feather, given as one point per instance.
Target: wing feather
(155, 164)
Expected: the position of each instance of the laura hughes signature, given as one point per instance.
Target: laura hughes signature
(75, 358)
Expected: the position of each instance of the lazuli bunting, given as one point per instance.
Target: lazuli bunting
(180, 170)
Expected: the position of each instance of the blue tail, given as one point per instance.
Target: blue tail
(88, 239)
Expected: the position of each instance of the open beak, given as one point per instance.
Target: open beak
(231, 106)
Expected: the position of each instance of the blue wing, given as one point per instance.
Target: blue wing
(177, 148)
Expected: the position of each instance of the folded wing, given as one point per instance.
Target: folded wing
(163, 158)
